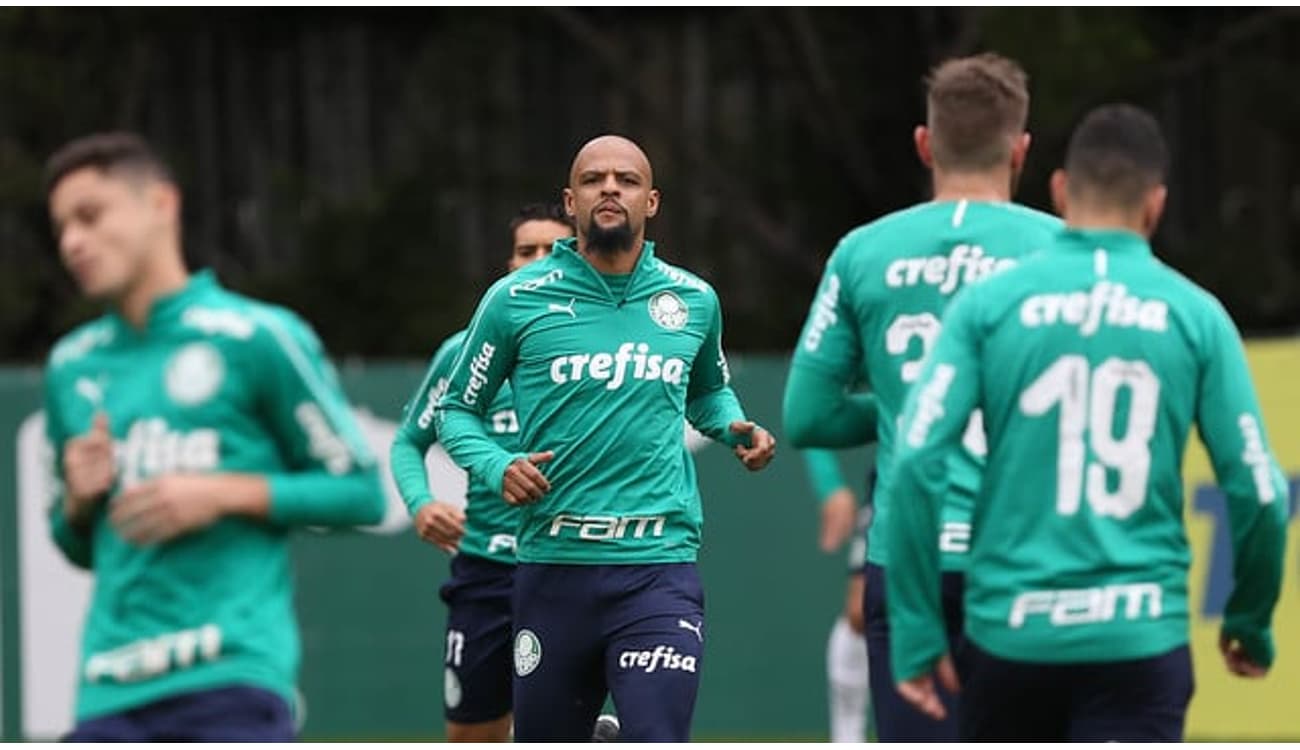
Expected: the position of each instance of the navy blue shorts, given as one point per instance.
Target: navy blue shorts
(477, 673)
(895, 719)
(1137, 700)
(634, 631)
(232, 714)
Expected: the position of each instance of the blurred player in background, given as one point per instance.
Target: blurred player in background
(877, 314)
(478, 674)
(607, 348)
(1091, 361)
(192, 428)
(848, 685)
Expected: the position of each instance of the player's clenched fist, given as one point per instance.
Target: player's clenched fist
(88, 471)
(761, 448)
(441, 525)
(524, 482)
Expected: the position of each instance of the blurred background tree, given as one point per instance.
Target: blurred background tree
(361, 165)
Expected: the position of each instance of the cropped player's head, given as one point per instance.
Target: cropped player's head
(611, 194)
(115, 208)
(534, 229)
(1115, 170)
(976, 109)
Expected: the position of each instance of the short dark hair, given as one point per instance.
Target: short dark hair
(973, 104)
(1116, 155)
(116, 152)
(540, 212)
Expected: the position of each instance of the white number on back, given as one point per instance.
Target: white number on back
(926, 327)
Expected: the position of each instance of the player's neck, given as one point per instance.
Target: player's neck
(992, 186)
(621, 262)
(165, 274)
(1093, 219)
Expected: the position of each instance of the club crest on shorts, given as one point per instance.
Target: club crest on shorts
(451, 692)
(528, 652)
(668, 311)
(194, 373)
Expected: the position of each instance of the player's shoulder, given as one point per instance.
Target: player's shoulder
(239, 319)
(1188, 296)
(681, 281)
(81, 342)
(883, 230)
(1023, 216)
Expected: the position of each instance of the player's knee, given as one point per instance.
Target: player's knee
(496, 730)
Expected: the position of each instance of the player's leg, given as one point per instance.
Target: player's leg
(895, 719)
(559, 684)
(1139, 700)
(120, 727)
(1010, 701)
(478, 667)
(239, 713)
(847, 670)
(655, 646)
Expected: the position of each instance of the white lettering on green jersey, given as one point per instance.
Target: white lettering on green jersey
(877, 315)
(1090, 361)
(214, 382)
(605, 382)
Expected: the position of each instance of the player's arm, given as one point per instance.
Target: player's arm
(934, 418)
(839, 507)
(1229, 422)
(485, 361)
(820, 409)
(712, 406)
(71, 532)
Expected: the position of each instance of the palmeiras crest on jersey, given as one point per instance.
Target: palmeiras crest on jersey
(194, 373)
(669, 311)
(528, 652)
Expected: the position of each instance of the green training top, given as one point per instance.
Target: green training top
(877, 313)
(604, 380)
(1091, 362)
(490, 522)
(214, 382)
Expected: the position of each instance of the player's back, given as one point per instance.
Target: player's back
(892, 280)
(1093, 358)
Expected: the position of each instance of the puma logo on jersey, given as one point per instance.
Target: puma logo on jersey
(478, 368)
(1257, 458)
(151, 448)
(823, 314)
(568, 309)
(698, 630)
(662, 657)
(613, 368)
(1083, 606)
(964, 264)
(1107, 302)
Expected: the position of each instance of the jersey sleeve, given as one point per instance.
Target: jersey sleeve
(819, 408)
(332, 479)
(417, 431)
(934, 418)
(711, 404)
(75, 543)
(1229, 423)
(824, 472)
(484, 362)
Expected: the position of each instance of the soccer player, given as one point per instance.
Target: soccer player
(477, 672)
(607, 348)
(192, 429)
(1091, 361)
(846, 652)
(877, 314)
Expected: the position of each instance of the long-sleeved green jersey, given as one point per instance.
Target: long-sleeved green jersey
(1091, 362)
(214, 382)
(490, 523)
(603, 378)
(877, 314)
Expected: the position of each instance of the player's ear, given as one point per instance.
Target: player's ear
(652, 203)
(921, 136)
(569, 209)
(1060, 188)
(1153, 207)
(1019, 151)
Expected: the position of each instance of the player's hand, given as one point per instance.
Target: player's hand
(441, 525)
(1237, 660)
(762, 446)
(523, 482)
(853, 603)
(839, 514)
(166, 507)
(922, 693)
(88, 471)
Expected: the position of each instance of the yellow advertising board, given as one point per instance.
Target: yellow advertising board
(1228, 707)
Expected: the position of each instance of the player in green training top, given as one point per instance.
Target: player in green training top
(877, 314)
(1091, 362)
(192, 428)
(607, 349)
(477, 671)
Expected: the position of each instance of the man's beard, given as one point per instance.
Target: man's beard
(609, 240)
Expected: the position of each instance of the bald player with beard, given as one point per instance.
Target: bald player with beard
(607, 348)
